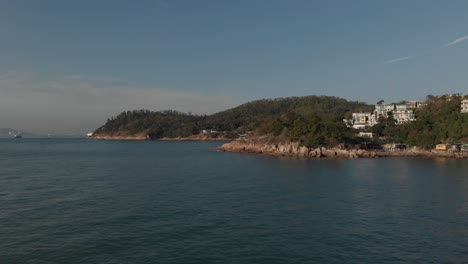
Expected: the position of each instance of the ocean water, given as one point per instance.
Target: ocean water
(88, 201)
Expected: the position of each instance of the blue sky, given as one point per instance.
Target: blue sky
(88, 60)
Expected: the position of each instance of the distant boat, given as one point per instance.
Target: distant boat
(15, 134)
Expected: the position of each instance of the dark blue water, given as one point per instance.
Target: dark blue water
(86, 201)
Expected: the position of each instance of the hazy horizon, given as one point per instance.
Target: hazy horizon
(68, 66)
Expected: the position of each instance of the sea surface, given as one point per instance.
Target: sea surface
(90, 201)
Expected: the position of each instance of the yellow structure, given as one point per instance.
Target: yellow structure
(442, 147)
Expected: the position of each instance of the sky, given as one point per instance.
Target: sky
(66, 66)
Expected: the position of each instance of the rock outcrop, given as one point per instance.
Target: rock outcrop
(293, 149)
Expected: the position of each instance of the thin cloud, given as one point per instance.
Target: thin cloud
(398, 59)
(458, 40)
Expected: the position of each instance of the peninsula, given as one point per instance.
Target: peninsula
(312, 126)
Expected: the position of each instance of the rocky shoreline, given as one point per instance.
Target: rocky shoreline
(293, 149)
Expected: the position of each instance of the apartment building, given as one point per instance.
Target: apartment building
(464, 106)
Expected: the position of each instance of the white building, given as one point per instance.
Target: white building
(403, 116)
(361, 117)
(401, 107)
(380, 110)
(464, 106)
(390, 107)
(383, 110)
(412, 105)
(366, 134)
(402, 113)
(373, 120)
(361, 120)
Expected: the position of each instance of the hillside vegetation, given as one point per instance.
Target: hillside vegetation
(310, 120)
(241, 119)
(439, 121)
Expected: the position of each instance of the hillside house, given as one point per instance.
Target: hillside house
(401, 107)
(412, 105)
(403, 116)
(380, 110)
(464, 148)
(402, 113)
(464, 106)
(398, 147)
(365, 135)
(361, 120)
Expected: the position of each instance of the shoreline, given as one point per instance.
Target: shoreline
(293, 149)
(145, 137)
(296, 151)
(118, 137)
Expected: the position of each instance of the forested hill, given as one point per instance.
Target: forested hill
(438, 121)
(247, 117)
(250, 115)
